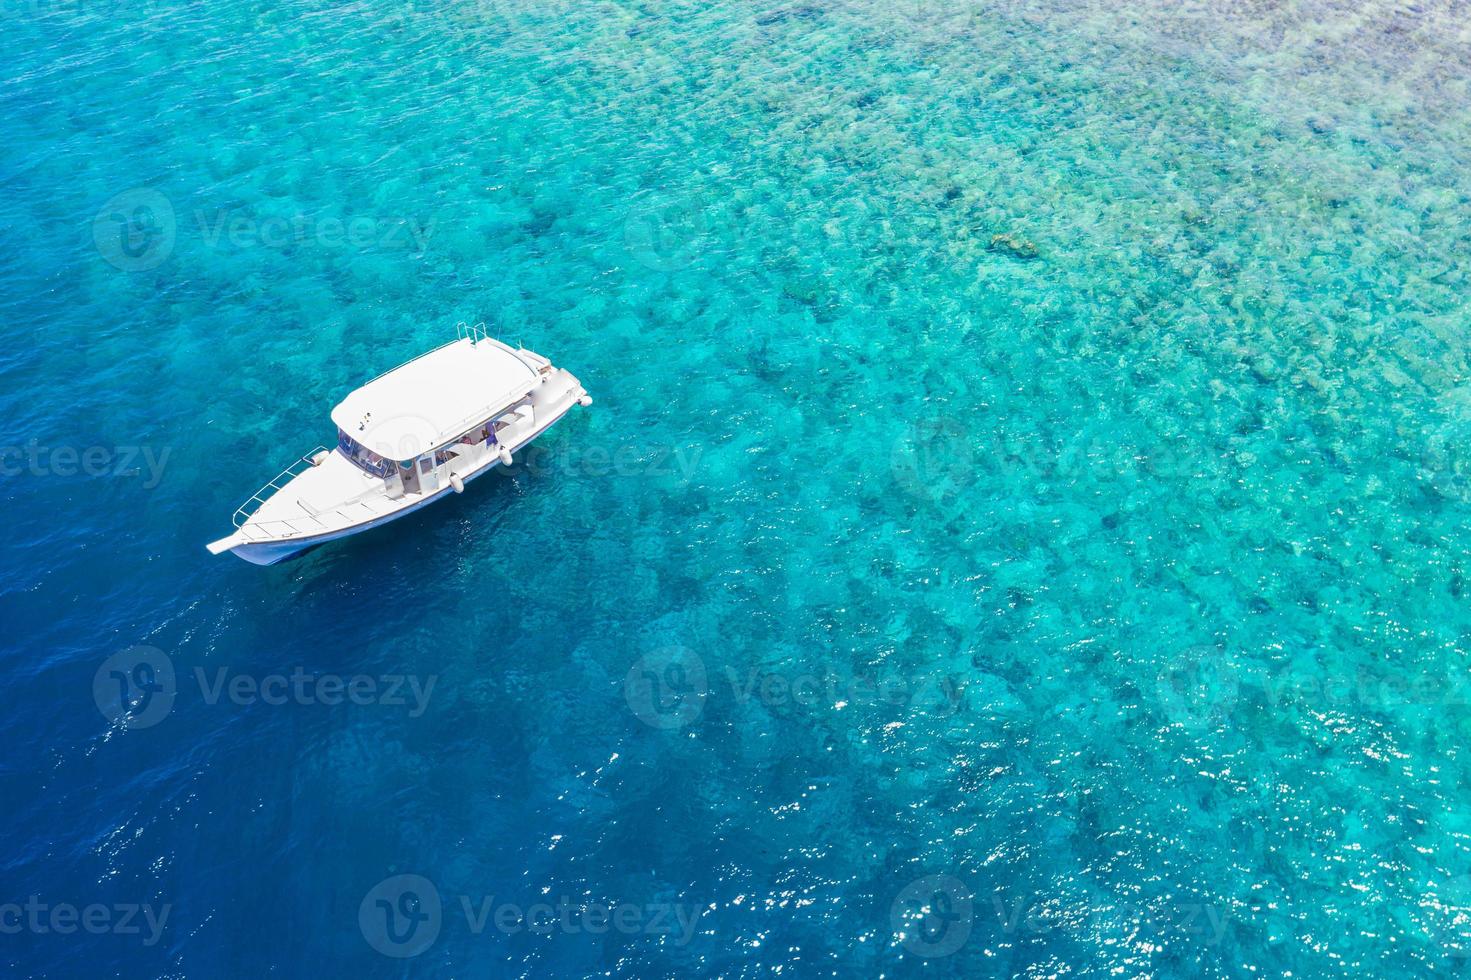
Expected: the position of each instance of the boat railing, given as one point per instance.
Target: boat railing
(246, 510)
(474, 333)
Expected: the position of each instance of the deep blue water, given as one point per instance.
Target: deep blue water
(1021, 529)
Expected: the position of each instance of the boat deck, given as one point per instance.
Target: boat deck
(330, 497)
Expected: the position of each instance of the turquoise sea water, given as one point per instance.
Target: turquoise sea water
(1021, 529)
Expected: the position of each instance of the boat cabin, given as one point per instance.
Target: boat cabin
(440, 416)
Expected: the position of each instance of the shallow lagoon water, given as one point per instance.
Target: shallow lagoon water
(1027, 485)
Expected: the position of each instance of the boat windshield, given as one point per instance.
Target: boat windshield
(363, 457)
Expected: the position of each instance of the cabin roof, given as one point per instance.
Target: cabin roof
(437, 396)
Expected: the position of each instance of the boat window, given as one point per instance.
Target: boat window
(363, 457)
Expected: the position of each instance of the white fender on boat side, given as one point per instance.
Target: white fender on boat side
(456, 484)
(585, 400)
(505, 455)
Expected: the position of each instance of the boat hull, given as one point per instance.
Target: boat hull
(273, 552)
(270, 554)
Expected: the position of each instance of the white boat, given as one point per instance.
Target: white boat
(404, 440)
